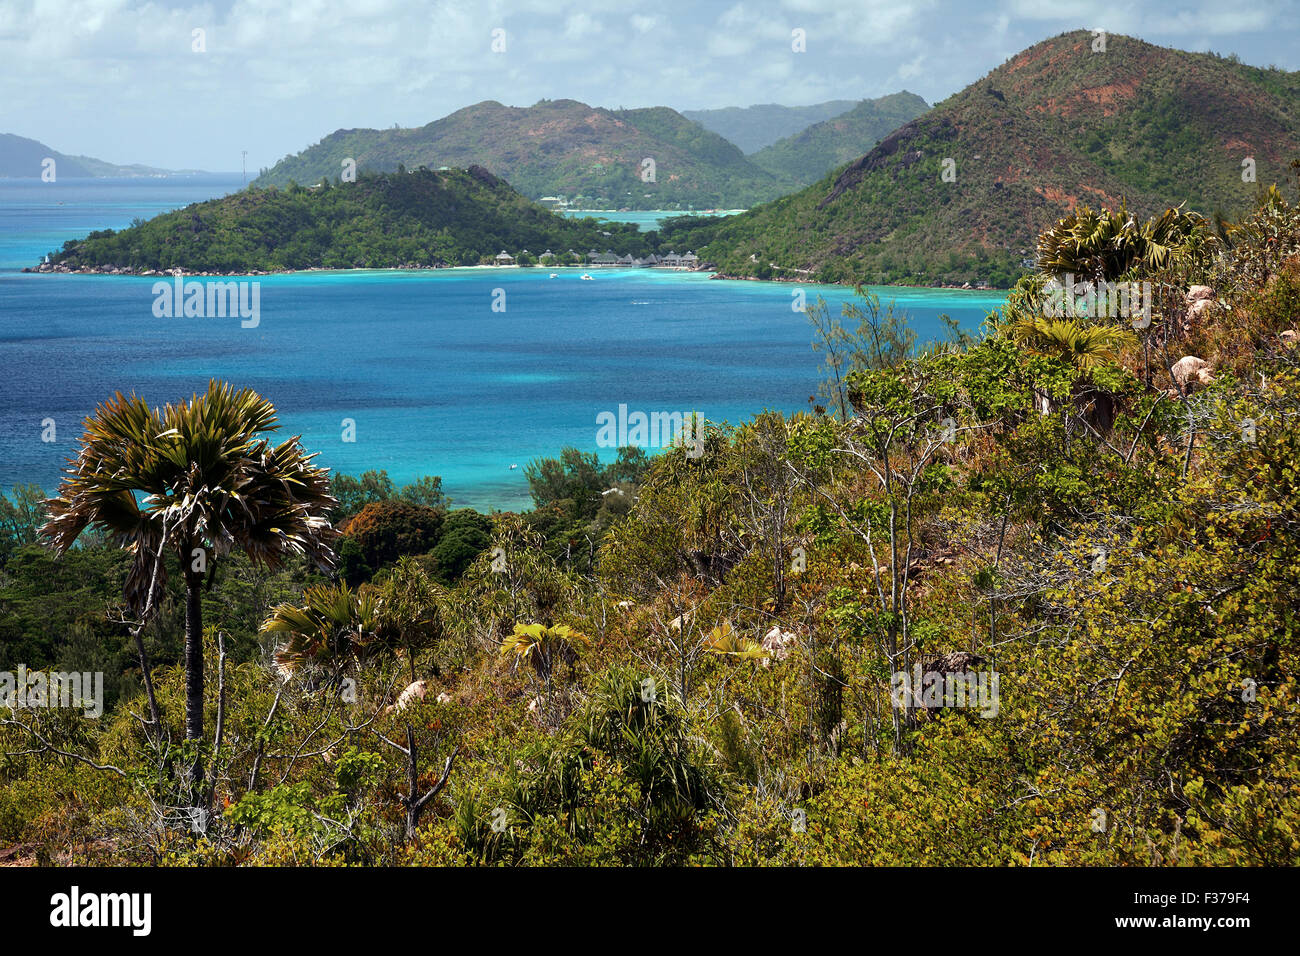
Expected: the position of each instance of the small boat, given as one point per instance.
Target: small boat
(586, 276)
(513, 467)
(555, 275)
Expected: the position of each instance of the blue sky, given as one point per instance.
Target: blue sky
(119, 79)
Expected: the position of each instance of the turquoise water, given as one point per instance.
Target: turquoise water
(646, 220)
(37, 217)
(435, 380)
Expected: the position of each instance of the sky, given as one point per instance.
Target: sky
(133, 82)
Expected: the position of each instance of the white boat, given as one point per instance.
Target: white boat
(555, 275)
(513, 467)
(586, 276)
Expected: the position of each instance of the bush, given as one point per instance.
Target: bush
(386, 530)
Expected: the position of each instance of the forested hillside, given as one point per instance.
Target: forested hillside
(754, 127)
(961, 192)
(811, 153)
(421, 217)
(1026, 597)
(591, 156)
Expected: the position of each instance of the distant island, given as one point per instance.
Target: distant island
(405, 219)
(954, 197)
(22, 158)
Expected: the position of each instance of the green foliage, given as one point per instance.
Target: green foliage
(466, 534)
(1029, 144)
(813, 152)
(556, 148)
(714, 682)
(422, 218)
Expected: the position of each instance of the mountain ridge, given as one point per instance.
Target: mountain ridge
(810, 154)
(592, 155)
(1053, 126)
(753, 128)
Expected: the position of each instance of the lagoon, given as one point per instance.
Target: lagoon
(432, 378)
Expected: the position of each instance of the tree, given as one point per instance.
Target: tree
(386, 530)
(426, 491)
(882, 339)
(353, 494)
(20, 520)
(1102, 246)
(331, 628)
(465, 535)
(573, 481)
(207, 485)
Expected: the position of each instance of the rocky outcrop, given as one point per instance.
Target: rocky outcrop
(1190, 371)
(777, 644)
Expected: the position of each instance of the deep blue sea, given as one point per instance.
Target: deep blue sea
(434, 379)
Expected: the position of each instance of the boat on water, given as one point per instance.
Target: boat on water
(586, 276)
(554, 275)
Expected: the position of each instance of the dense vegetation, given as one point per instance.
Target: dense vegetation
(589, 155)
(706, 671)
(811, 153)
(417, 218)
(1056, 125)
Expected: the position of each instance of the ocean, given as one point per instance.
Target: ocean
(458, 372)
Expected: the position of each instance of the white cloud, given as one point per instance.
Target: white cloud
(280, 74)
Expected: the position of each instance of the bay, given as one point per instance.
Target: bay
(430, 377)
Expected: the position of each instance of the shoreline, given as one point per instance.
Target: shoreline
(60, 269)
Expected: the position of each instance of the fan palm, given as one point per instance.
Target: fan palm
(1081, 346)
(334, 624)
(724, 641)
(1102, 246)
(195, 479)
(543, 647)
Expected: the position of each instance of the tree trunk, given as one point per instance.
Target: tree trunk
(193, 657)
(194, 693)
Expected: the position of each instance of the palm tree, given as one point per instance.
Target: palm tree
(1082, 348)
(725, 642)
(193, 478)
(543, 647)
(1102, 246)
(332, 627)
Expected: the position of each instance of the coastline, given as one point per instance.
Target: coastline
(60, 269)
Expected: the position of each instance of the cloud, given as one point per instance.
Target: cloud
(117, 78)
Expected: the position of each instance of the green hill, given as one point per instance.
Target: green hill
(1055, 125)
(811, 153)
(591, 156)
(384, 220)
(754, 127)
